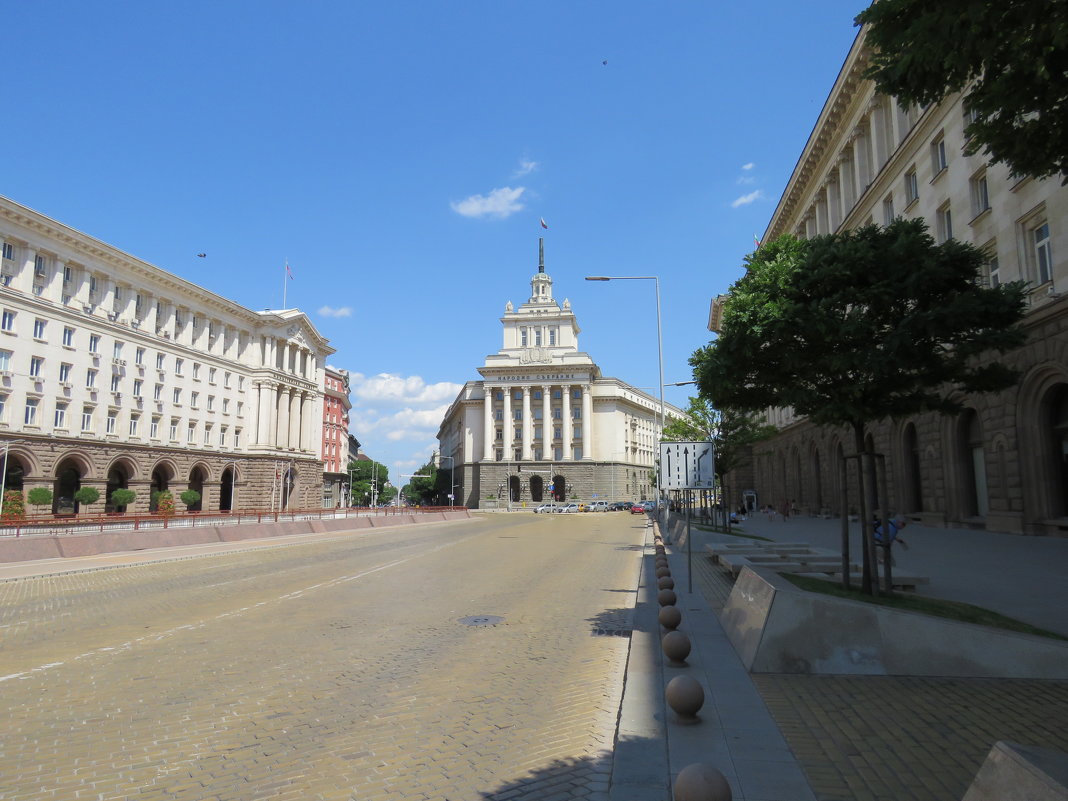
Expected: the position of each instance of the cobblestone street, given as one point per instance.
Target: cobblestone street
(331, 670)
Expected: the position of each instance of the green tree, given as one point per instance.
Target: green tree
(367, 476)
(39, 496)
(425, 491)
(121, 498)
(190, 498)
(855, 327)
(1010, 57)
(87, 496)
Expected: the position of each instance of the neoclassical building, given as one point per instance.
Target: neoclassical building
(543, 416)
(1002, 465)
(116, 374)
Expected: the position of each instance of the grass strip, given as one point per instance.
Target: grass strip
(952, 610)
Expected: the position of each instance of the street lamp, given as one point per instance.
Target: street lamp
(659, 338)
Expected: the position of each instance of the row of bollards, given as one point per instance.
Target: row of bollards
(684, 694)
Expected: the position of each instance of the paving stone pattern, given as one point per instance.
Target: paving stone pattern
(334, 670)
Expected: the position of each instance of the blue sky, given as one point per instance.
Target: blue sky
(400, 154)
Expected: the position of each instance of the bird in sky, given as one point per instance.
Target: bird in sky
(201, 255)
(605, 62)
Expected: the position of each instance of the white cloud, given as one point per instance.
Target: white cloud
(500, 203)
(748, 166)
(330, 311)
(526, 166)
(392, 389)
(745, 200)
(746, 180)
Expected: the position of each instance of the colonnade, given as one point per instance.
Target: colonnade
(527, 441)
(285, 417)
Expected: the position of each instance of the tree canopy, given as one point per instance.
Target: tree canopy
(368, 475)
(1011, 58)
(858, 326)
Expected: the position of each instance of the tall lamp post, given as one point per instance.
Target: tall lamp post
(659, 344)
(233, 482)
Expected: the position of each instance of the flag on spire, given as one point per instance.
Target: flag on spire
(756, 241)
(288, 271)
(543, 224)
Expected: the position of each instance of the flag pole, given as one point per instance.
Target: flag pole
(285, 282)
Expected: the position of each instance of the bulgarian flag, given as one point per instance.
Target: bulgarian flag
(756, 241)
(543, 223)
(288, 271)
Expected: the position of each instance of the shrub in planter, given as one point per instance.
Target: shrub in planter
(121, 498)
(39, 496)
(87, 496)
(14, 507)
(164, 503)
(190, 498)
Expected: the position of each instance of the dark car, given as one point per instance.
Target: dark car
(620, 506)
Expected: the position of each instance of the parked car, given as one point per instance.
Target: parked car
(545, 508)
(620, 506)
(650, 506)
(597, 506)
(637, 509)
(568, 508)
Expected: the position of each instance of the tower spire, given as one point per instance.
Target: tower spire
(541, 254)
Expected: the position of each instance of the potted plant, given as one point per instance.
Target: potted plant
(121, 498)
(190, 498)
(14, 507)
(164, 503)
(87, 496)
(39, 496)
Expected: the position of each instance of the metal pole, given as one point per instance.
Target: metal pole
(3, 477)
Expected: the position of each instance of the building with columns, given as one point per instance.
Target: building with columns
(116, 374)
(543, 416)
(1002, 464)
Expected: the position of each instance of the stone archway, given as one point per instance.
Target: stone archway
(559, 488)
(118, 478)
(196, 483)
(226, 489)
(289, 483)
(537, 489)
(68, 480)
(161, 482)
(514, 488)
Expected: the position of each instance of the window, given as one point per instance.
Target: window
(196, 371)
(159, 361)
(115, 379)
(67, 274)
(211, 375)
(912, 187)
(68, 337)
(157, 392)
(576, 413)
(92, 285)
(517, 415)
(207, 433)
(139, 356)
(9, 252)
(153, 428)
(226, 406)
(87, 418)
(194, 399)
(3, 407)
(174, 429)
(558, 413)
(556, 433)
(211, 403)
(945, 223)
(577, 432)
(31, 411)
(557, 394)
(980, 194)
(110, 423)
(576, 394)
(38, 329)
(1043, 252)
(39, 265)
(60, 418)
(939, 161)
(240, 408)
(90, 378)
(241, 383)
(177, 396)
(116, 350)
(178, 364)
(138, 384)
(237, 437)
(222, 436)
(36, 363)
(94, 343)
(5, 360)
(888, 209)
(500, 435)
(518, 434)
(64, 372)
(552, 335)
(523, 336)
(191, 433)
(7, 321)
(135, 419)
(226, 380)
(537, 337)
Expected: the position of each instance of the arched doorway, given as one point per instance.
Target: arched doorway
(1056, 433)
(537, 488)
(196, 483)
(226, 489)
(68, 481)
(513, 488)
(161, 481)
(559, 488)
(289, 481)
(117, 479)
(14, 476)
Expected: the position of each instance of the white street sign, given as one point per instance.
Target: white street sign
(687, 465)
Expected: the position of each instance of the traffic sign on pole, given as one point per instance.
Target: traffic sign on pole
(687, 465)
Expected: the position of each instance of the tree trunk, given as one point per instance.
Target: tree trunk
(843, 473)
(866, 533)
(888, 544)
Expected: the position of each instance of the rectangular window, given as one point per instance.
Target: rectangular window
(211, 403)
(116, 350)
(87, 418)
(980, 194)
(9, 251)
(237, 437)
(139, 357)
(36, 363)
(211, 375)
(1043, 252)
(90, 378)
(194, 399)
(552, 336)
(7, 321)
(196, 371)
(939, 161)
(109, 425)
(5, 360)
(38, 329)
(992, 271)
(945, 224)
(226, 380)
(240, 408)
(31, 411)
(222, 436)
(39, 265)
(207, 434)
(177, 396)
(134, 421)
(517, 415)
(577, 432)
(556, 433)
(174, 429)
(888, 209)
(537, 337)
(3, 407)
(157, 392)
(138, 384)
(153, 428)
(64, 372)
(60, 419)
(523, 337)
(226, 406)
(178, 364)
(92, 285)
(94, 343)
(115, 379)
(159, 361)
(68, 337)
(912, 187)
(67, 274)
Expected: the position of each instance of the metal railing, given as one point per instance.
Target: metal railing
(53, 525)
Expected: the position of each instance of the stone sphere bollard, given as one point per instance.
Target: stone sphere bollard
(670, 617)
(676, 646)
(663, 571)
(701, 782)
(665, 583)
(686, 696)
(666, 597)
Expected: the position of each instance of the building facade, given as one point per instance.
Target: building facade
(336, 405)
(115, 374)
(543, 423)
(1003, 463)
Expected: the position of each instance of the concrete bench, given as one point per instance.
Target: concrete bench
(714, 549)
(1014, 772)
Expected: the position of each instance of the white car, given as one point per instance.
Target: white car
(567, 508)
(597, 506)
(546, 508)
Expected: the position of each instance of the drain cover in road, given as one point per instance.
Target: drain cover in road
(482, 620)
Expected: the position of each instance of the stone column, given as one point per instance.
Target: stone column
(294, 420)
(506, 427)
(254, 413)
(547, 423)
(566, 444)
(281, 437)
(587, 423)
(487, 423)
(528, 424)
